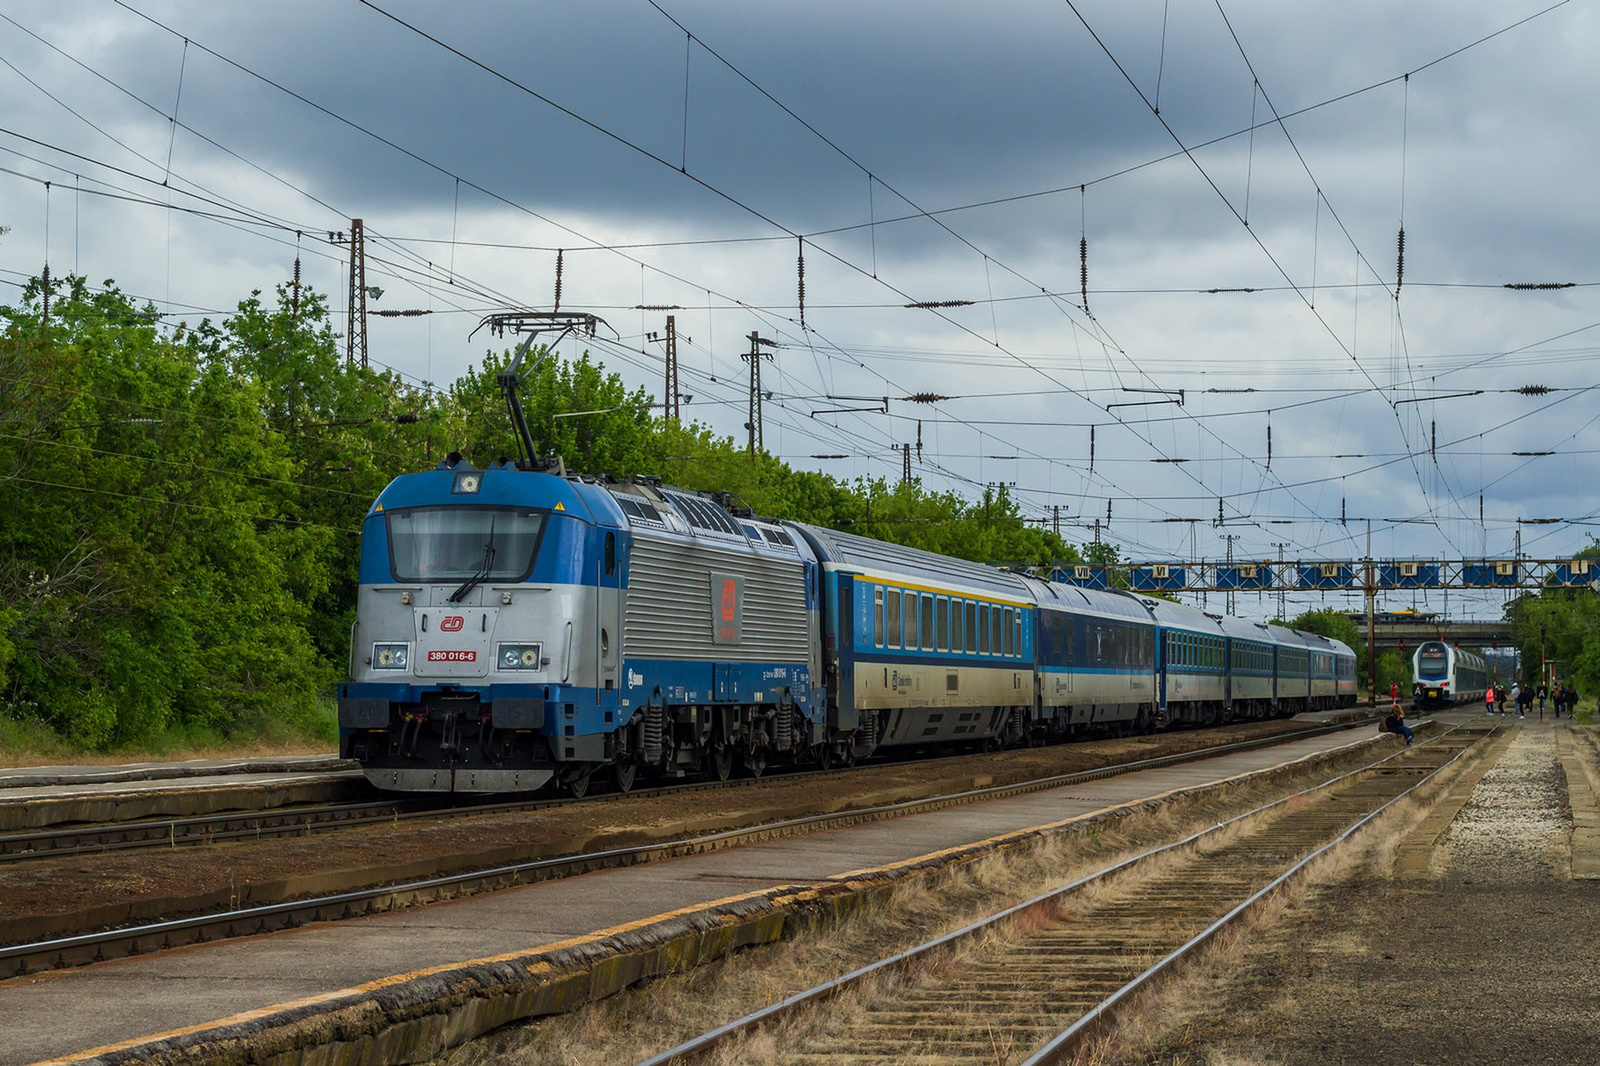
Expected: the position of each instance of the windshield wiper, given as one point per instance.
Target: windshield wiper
(483, 571)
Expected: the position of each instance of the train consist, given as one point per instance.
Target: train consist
(517, 628)
(1444, 674)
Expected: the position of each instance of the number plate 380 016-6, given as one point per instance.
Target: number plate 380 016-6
(452, 656)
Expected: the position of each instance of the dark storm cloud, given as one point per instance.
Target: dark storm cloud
(1487, 158)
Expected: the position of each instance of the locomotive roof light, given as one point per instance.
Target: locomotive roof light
(467, 482)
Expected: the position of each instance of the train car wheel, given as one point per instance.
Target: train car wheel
(623, 775)
(824, 756)
(578, 787)
(756, 763)
(722, 763)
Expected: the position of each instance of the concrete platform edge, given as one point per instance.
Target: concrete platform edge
(24, 778)
(17, 816)
(1583, 796)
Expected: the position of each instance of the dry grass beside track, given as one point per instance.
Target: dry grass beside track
(1176, 1023)
(665, 1012)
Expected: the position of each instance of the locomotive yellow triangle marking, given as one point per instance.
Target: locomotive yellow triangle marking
(559, 506)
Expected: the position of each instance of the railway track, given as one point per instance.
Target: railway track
(95, 946)
(321, 818)
(1025, 985)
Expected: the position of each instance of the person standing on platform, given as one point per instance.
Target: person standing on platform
(1542, 693)
(1500, 697)
(1488, 701)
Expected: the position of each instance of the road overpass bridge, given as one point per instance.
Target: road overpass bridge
(1408, 635)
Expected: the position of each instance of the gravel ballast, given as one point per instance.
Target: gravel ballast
(1490, 959)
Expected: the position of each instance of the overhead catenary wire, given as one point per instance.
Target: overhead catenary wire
(847, 345)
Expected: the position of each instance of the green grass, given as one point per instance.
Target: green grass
(288, 731)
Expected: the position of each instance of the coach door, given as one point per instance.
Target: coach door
(844, 651)
(1162, 642)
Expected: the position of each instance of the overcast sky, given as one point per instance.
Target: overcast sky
(928, 151)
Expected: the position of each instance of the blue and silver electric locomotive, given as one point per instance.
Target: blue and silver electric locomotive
(515, 626)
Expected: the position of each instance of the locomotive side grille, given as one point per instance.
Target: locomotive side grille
(669, 614)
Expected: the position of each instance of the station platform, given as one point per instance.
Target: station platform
(293, 971)
(45, 777)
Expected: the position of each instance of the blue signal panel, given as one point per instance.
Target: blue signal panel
(1576, 573)
(1408, 576)
(1153, 579)
(1489, 575)
(1248, 576)
(1086, 577)
(1328, 576)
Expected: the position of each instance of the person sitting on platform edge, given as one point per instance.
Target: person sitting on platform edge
(1396, 723)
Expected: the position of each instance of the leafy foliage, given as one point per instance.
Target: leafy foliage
(180, 546)
(1563, 627)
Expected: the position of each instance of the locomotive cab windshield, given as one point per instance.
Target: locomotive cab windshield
(463, 544)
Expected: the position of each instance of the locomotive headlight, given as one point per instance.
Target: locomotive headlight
(519, 656)
(391, 656)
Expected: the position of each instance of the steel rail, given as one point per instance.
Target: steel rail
(725, 1033)
(1063, 1043)
(319, 818)
(80, 949)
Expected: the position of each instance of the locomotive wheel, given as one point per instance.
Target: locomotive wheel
(756, 763)
(824, 755)
(722, 763)
(578, 787)
(623, 774)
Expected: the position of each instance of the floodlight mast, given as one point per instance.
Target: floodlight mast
(532, 323)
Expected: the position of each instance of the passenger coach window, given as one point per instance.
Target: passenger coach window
(983, 628)
(927, 623)
(943, 623)
(877, 616)
(972, 627)
(893, 611)
(957, 612)
(911, 621)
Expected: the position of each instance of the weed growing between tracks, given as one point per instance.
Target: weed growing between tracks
(662, 1013)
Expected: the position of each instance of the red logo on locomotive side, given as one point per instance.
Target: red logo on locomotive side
(451, 623)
